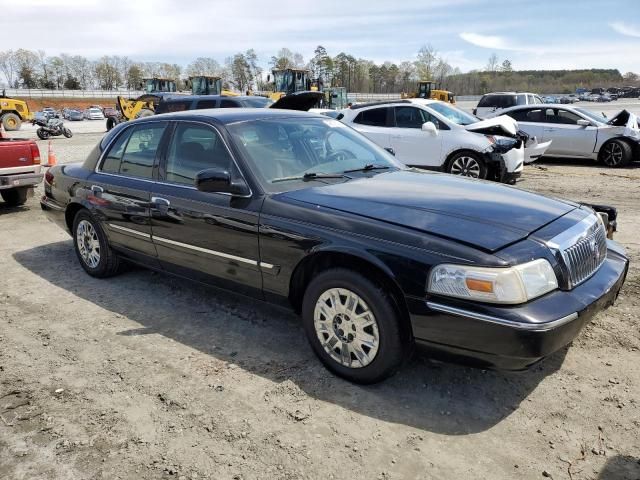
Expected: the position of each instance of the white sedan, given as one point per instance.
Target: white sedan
(579, 133)
(434, 134)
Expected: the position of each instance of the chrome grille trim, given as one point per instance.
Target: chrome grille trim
(582, 249)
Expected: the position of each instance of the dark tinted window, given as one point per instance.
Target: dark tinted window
(177, 106)
(497, 101)
(409, 117)
(376, 117)
(229, 104)
(206, 104)
(195, 148)
(140, 152)
(111, 162)
(562, 116)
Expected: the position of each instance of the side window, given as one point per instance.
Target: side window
(519, 115)
(140, 152)
(177, 106)
(195, 148)
(228, 104)
(111, 162)
(206, 104)
(409, 117)
(376, 117)
(537, 100)
(521, 99)
(566, 117)
(535, 115)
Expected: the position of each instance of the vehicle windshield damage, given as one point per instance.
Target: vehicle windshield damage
(301, 150)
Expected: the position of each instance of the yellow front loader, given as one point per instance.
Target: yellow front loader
(13, 112)
(429, 89)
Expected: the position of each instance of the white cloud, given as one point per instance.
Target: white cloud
(485, 41)
(625, 29)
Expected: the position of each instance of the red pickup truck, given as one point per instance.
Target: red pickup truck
(19, 169)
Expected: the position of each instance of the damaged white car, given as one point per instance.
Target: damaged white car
(579, 133)
(434, 134)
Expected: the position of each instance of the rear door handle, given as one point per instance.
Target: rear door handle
(97, 189)
(159, 201)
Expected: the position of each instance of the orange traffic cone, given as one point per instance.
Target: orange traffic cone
(51, 156)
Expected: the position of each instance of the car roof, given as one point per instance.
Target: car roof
(232, 115)
(177, 98)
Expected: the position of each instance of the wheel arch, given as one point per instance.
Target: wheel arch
(635, 147)
(71, 211)
(352, 259)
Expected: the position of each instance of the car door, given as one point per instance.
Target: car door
(413, 146)
(374, 124)
(530, 120)
(120, 189)
(568, 138)
(212, 236)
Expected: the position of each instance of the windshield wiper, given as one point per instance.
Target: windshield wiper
(367, 167)
(311, 176)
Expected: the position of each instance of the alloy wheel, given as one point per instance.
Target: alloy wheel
(466, 166)
(88, 244)
(346, 327)
(613, 154)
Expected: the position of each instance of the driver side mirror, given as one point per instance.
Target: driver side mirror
(584, 123)
(216, 180)
(430, 128)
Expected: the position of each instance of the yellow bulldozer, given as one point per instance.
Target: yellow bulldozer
(293, 89)
(13, 112)
(144, 105)
(429, 89)
(208, 85)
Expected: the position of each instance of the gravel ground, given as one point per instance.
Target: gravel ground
(144, 376)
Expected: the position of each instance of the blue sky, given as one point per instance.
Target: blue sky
(541, 34)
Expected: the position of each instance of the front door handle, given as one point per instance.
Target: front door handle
(96, 189)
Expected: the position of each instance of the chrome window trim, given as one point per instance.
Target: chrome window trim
(108, 147)
(129, 230)
(530, 327)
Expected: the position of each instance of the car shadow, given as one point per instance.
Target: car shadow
(621, 467)
(5, 208)
(269, 341)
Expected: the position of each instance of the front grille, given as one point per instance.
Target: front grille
(586, 255)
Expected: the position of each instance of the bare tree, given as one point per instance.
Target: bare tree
(492, 64)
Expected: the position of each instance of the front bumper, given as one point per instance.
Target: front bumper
(515, 337)
(23, 180)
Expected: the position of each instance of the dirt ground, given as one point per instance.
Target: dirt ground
(144, 376)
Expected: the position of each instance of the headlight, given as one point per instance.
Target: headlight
(494, 285)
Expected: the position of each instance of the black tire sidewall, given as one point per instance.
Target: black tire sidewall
(101, 269)
(391, 349)
(42, 134)
(467, 153)
(15, 197)
(67, 133)
(627, 153)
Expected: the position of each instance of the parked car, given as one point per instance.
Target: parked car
(109, 112)
(19, 169)
(73, 114)
(569, 99)
(301, 210)
(493, 102)
(50, 112)
(434, 134)
(179, 103)
(580, 133)
(93, 113)
(550, 99)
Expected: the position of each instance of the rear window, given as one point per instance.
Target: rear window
(228, 104)
(376, 117)
(206, 104)
(497, 101)
(177, 106)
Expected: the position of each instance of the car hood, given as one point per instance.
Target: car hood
(627, 122)
(302, 101)
(501, 125)
(485, 215)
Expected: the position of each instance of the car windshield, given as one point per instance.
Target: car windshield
(286, 152)
(592, 115)
(453, 114)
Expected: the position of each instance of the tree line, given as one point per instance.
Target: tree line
(24, 68)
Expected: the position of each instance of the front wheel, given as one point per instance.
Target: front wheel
(42, 134)
(92, 247)
(616, 153)
(353, 326)
(11, 121)
(67, 133)
(467, 164)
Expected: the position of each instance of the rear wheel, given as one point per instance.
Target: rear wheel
(616, 153)
(11, 121)
(111, 122)
(67, 133)
(353, 326)
(92, 247)
(42, 134)
(467, 164)
(15, 196)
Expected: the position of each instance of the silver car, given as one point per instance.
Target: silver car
(579, 133)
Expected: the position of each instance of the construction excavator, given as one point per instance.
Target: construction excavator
(430, 90)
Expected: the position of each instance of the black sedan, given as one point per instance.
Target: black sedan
(299, 209)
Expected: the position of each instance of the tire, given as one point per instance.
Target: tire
(467, 164)
(11, 122)
(42, 134)
(15, 197)
(67, 133)
(145, 112)
(111, 122)
(616, 154)
(363, 363)
(92, 247)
